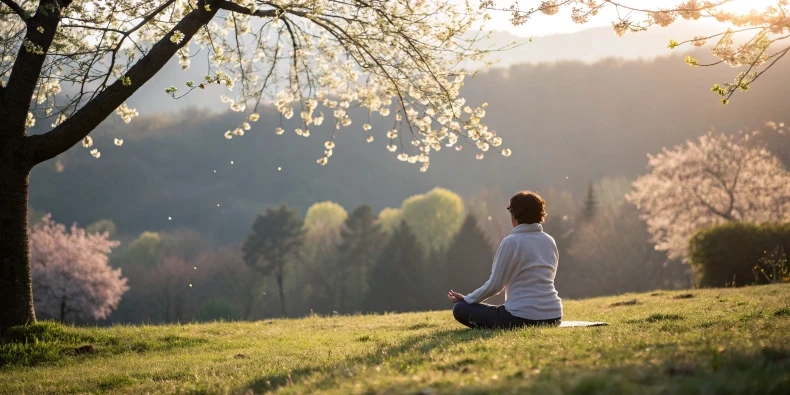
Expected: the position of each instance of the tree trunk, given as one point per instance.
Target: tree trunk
(16, 291)
(342, 283)
(282, 294)
(63, 311)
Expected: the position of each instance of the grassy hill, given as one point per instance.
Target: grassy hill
(718, 341)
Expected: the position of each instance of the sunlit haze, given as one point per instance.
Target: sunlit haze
(541, 25)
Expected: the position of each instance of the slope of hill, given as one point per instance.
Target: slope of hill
(717, 341)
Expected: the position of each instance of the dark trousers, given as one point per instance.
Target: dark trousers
(493, 317)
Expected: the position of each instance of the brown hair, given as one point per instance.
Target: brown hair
(527, 207)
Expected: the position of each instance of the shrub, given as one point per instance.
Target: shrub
(727, 254)
(216, 309)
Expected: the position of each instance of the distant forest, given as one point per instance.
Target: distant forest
(568, 124)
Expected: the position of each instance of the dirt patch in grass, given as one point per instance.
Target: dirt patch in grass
(785, 312)
(658, 317)
(631, 302)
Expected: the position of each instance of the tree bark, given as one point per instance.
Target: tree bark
(16, 292)
(282, 294)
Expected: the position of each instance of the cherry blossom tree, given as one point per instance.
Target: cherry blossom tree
(754, 41)
(71, 274)
(713, 180)
(72, 63)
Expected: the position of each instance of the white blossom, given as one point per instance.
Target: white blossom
(176, 37)
(126, 113)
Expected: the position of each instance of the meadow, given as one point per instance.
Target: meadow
(712, 341)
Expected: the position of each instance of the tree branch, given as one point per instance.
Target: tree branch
(233, 7)
(76, 127)
(26, 69)
(16, 8)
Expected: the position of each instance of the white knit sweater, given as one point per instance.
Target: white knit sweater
(524, 267)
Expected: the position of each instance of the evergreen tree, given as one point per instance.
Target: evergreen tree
(435, 283)
(469, 259)
(590, 204)
(396, 280)
(361, 243)
(276, 235)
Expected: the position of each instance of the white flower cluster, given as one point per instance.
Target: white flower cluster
(405, 64)
(126, 113)
(317, 59)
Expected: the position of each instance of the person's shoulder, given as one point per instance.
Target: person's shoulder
(548, 236)
(509, 241)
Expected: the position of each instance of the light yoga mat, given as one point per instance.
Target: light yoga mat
(574, 324)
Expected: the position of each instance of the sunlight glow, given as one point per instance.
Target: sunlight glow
(542, 25)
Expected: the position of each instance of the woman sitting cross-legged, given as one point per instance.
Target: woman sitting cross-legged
(524, 267)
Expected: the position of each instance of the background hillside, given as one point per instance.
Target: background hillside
(568, 124)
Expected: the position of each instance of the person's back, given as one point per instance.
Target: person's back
(531, 294)
(524, 267)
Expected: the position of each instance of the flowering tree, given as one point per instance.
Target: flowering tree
(700, 184)
(311, 58)
(71, 273)
(759, 35)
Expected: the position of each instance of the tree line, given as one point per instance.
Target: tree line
(334, 262)
(623, 236)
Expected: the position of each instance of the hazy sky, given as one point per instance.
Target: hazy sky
(540, 25)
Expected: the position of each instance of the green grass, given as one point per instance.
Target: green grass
(719, 341)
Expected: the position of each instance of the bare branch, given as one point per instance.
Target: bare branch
(16, 8)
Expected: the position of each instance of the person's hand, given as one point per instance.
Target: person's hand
(455, 297)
